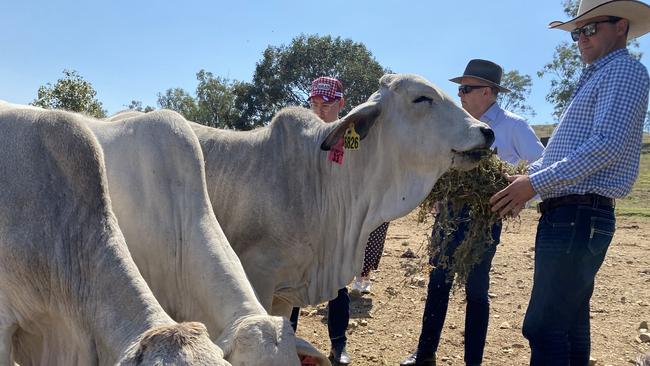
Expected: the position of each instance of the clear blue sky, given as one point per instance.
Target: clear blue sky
(136, 49)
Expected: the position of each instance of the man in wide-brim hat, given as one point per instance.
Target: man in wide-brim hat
(591, 160)
(635, 12)
(515, 142)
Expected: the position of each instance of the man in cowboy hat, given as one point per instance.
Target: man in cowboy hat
(591, 159)
(515, 141)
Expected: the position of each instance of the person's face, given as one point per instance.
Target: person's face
(607, 38)
(327, 111)
(477, 98)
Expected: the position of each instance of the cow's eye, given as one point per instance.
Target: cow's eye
(423, 99)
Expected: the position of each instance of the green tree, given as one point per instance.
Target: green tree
(213, 103)
(565, 71)
(177, 99)
(71, 93)
(215, 99)
(283, 76)
(136, 105)
(571, 7)
(566, 66)
(520, 87)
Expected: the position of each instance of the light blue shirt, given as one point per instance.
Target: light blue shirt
(596, 148)
(514, 139)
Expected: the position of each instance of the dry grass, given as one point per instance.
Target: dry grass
(470, 190)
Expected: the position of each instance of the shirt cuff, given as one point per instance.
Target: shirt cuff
(542, 181)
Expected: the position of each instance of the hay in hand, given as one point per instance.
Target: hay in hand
(471, 189)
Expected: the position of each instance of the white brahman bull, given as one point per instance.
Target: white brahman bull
(70, 294)
(299, 221)
(156, 180)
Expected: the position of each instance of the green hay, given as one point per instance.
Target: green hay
(474, 189)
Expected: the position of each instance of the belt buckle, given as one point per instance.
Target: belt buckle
(539, 208)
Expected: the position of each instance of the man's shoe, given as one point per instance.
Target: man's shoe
(339, 357)
(412, 360)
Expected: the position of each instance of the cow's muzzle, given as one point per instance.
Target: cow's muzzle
(489, 136)
(475, 154)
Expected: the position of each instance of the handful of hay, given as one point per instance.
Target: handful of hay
(473, 189)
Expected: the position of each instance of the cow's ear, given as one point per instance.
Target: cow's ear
(305, 349)
(363, 117)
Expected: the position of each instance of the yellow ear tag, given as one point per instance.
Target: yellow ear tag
(351, 139)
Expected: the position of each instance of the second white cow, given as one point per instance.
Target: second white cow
(157, 185)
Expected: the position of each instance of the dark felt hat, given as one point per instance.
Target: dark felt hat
(484, 70)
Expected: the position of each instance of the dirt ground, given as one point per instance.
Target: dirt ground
(385, 324)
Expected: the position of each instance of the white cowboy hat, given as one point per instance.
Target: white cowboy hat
(636, 12)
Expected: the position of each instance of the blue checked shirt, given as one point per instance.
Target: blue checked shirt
(596, 148)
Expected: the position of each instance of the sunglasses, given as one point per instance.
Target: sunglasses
(466, 89)
(590, 29)
(322, 105)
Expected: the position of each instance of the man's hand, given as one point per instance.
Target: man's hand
(512, 199)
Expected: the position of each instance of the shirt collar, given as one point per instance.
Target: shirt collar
(492, 114)
(607, 58)
(588, 71)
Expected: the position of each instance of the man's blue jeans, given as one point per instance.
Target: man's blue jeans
(478, 306)
(570, 247)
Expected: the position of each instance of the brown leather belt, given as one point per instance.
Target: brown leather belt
(589, 199)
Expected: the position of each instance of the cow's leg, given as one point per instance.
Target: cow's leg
(264, 292)
(281, 307)
(6, 333)
(263, 282)
(8, 326)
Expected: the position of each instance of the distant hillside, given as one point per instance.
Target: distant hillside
(545, 131)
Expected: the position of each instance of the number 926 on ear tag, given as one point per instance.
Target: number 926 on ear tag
(351, 139)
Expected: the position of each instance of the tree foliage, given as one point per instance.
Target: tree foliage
(213, 104)
(136, 105)
(565, 72)
(177, 99)
(520, 87)
(283, 76)
(215, 100)
(71, 93)
(571, 7)
(566, 66)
